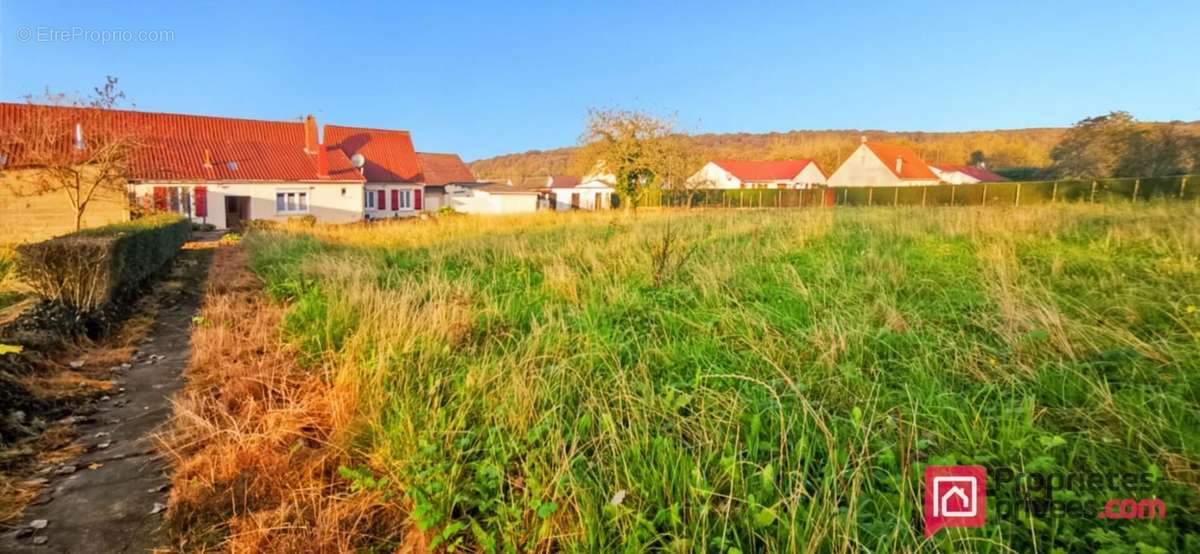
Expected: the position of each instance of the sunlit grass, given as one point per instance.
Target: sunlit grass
(539, 383)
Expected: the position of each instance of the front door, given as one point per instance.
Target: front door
(237, 211)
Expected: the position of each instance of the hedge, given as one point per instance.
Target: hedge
(86, 269)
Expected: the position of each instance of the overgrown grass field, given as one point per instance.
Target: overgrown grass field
(756, 381)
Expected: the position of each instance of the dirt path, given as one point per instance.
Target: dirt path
(111, 498)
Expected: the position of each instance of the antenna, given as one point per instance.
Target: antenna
(358, 161)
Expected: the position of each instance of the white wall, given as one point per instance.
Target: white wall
(713, 176)
(376, 212)
(587, 198)
(481, 202)
(864, 169)
(954, 177)
(329, 202)
(811, 175)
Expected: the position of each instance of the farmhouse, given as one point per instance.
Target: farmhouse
(565, 192)
(753, 174)
(880, 164)
(965, 174)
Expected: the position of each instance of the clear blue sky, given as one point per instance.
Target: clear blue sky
(491, 78)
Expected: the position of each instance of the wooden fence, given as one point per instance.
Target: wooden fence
(983, 194)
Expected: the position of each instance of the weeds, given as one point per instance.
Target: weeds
(548, 383)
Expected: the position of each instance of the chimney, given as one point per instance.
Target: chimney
(322, 162)
(311, 142)
(899, 164)
(208, 158)
(79, 144)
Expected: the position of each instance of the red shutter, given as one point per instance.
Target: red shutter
(160, 199)
(381, 200)
(417, 199)
(395, 199)
(201, 194)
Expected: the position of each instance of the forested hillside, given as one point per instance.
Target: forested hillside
(1002, 149)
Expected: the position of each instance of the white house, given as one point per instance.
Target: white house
(965, 174)
(880, 164)
(564, 192)
(753, 174)
(389, 165)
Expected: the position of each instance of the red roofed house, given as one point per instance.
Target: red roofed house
(965, 174)
(753, 174)
(880, 164)
(220, 170)
(439, 171)
(394, 184)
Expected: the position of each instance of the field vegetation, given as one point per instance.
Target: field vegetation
(741, 380)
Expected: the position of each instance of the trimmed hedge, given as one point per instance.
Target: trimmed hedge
(86, 269)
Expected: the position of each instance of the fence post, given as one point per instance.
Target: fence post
(1093, 199)
(1054, 193)
(985, 194)
(953, 190)
(896, 196)
(1137, 183)
(1182, 187)
(924, 192)
(801, 203)
(1017, 201)
(870, 195)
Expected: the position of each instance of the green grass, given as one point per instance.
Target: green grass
(778, 387)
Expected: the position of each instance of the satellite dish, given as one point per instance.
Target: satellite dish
(358, 161)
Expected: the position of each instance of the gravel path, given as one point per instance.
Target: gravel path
(111, 498)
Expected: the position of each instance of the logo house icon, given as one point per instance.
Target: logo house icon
(955, 496)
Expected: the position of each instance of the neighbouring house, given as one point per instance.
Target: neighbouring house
(439, 171)
(593, 191)
(755, 174)
(880, 164)
(965, 174)
(388, 162)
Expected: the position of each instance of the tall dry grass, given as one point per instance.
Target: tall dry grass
(542, 383)
(256, 440)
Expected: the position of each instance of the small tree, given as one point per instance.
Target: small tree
(68, 151)
(629, 145)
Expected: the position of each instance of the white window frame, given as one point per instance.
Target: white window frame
(369, 199)
(292, 201)
(406, 198)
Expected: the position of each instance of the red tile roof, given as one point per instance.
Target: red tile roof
(564, 181)
(755, 170)
(441, 169)
(390, 156)
(911, 166)
(979, 173)
(172, 146)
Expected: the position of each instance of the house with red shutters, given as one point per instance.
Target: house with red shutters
(758, 174)
(883, 164)
(226, 171)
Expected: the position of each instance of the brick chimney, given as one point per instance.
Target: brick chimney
(311, 140)
(322, 162)
(207, 158)
(899, 164)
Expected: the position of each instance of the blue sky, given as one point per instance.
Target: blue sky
(483, 78)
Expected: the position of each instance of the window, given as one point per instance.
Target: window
(369, 198)
(406, 199)
(291, 202)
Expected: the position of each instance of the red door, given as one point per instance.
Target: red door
(395, 199)
(160, 199)
(417, 199)
(201, 201)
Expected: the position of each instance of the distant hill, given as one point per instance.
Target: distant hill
(1002, 149)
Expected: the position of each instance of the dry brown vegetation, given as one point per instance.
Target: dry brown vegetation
(257, 440)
